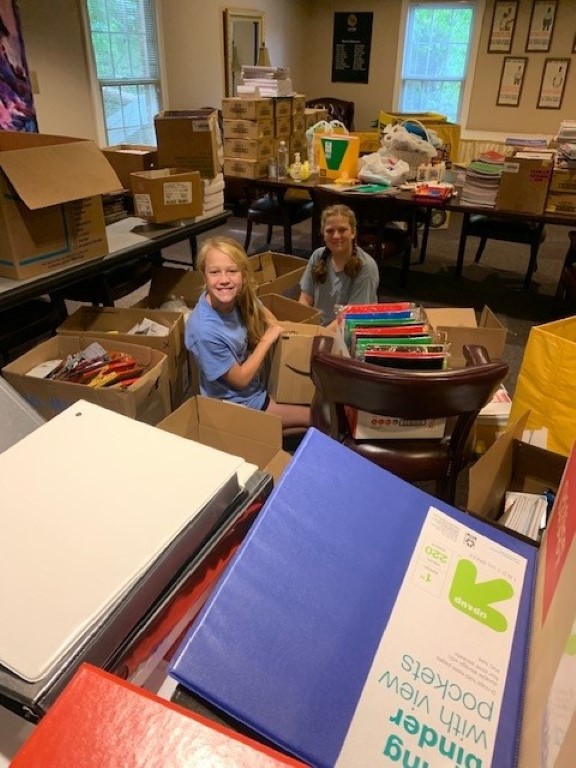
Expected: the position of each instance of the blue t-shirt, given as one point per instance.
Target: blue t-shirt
(338, 287)
(218, 341)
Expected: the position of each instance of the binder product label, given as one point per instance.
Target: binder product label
(443, 659)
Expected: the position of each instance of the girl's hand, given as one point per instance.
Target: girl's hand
(271, 333)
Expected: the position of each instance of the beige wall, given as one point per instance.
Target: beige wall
(299, 36)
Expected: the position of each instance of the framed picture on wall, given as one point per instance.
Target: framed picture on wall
(511, 81)
(541, 26)
(554, 76)
(503, 24)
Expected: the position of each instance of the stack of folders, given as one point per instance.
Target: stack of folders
(395, 335)
(483, 179)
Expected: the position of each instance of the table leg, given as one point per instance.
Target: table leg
(533, 256)
(424, 246)
(316, 240)
(462, 244)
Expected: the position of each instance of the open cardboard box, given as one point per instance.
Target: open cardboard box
(167, 194)
(511, 465)
(254, 435)
(189, 138)
(51, 211)
(289, 378)
(277, 272)
(461, 328)
(148, 399)
(111, 323)
(130, 158)
(290, 310)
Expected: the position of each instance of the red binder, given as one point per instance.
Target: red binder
(101, 721)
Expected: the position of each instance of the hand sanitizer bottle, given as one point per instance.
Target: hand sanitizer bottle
(296, 170)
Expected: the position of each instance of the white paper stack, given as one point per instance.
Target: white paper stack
(92, 500)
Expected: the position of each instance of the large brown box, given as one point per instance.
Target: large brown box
(50, 202)
(276, 272)
(524, 185)
(245, 169)
(130, 158)
(248, 129)
(189, 138)
(248, 149)
(167, 194)
(236, 108)
(113, 323)
(148, 399)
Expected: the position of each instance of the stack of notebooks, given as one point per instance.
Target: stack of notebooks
(268, 81)
(395, 335)
(483, 179)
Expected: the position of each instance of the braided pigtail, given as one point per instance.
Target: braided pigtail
(354, 263)
(319, 270)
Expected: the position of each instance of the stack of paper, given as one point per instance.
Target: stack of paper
(482, 181)
(268, 81)
(213, 200)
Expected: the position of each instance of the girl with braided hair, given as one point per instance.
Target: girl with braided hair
(229, 332)
(340, 273)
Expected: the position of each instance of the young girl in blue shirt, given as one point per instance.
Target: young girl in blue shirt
(230, 332)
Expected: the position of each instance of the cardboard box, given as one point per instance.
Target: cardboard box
(50, 202)
(146, 400)
(561, 202)
(282, 106)
(298, 103)
(236, 108)
(563, 180)
(173, 283)
(256, 436)
(370, 426)
(338, 156)
(248, 149)
(282, 127)
(189, 138)
(245, 169)
(284, 308)
(167, 194)
(461, 328)
(130, 158)
(110, 323)
(276, 272)
(289, 379)
(248, 129)
(511, 465)
(524, 185)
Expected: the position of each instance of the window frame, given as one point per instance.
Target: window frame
(96, 85)
(480, 6)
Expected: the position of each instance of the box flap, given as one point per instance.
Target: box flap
(442, 317)
(490, 476)
(171, 282)
(58, 173)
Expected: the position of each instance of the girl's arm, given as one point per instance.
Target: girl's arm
(305, 298)
(241, 374)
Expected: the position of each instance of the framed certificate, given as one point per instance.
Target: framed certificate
(541, 25)
(553, 83)
(511, 81)
(503, 24)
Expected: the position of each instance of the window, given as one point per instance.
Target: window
(125, 52)
(437, 46)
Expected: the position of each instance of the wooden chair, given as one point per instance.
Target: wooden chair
(338, 109)
(456, 395)
(268, 210)
(486, 227)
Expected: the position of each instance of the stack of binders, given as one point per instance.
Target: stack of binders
(395, 335)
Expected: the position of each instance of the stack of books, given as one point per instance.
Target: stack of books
(394, 335)
(266, 81)
(483, 179)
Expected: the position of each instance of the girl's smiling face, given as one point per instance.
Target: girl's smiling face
(338, 235)
(224, 280)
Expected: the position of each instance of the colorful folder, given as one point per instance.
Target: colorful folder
(366, 623)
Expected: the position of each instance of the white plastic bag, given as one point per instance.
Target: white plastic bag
(381, 168)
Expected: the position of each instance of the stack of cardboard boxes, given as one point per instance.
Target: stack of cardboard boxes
(562, 192)
(253, 129)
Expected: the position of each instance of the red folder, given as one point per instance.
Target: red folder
(101, 721)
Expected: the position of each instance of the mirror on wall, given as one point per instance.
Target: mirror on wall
(243, 35)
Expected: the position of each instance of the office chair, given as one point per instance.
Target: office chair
(456, 395)
(486, 227)
(338, 109)
(268, 210)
